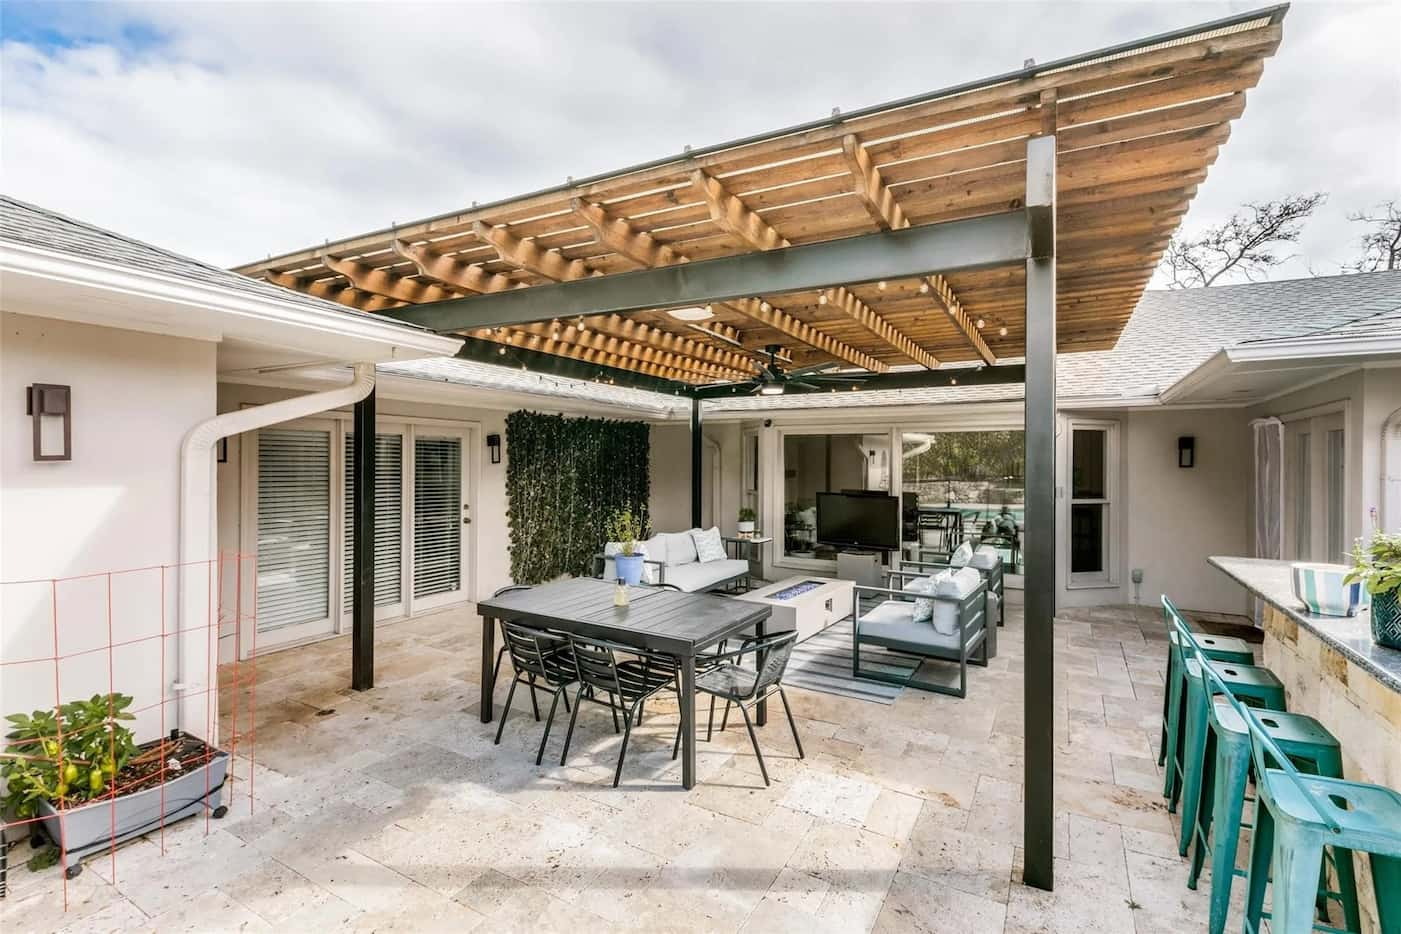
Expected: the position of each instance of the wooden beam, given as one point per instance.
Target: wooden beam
(527, 341)
(383, 282)
(450, 271)
(842, 299)
(626, 328)
(525, 254)
(348, 296)
(640, 352)
(732, 215)
(618, 235)
(885, 211)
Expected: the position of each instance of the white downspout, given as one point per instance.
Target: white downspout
(196, 602)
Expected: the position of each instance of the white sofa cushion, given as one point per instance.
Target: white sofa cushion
(656, 547)
(680, 548)
(709, 546)
(958, 584)
(699, 575)
(985, 558)
(961, 555)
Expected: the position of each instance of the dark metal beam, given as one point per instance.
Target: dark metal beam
(976, 243)
(909, 379)
(549, 364)
(362, 570)
(1040, 547)
(697, 446)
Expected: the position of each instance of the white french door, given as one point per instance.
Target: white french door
(441, 517)
(299, 517)
(1315, 488)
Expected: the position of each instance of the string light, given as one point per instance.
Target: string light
(981, 324)
(924, 288)
(1002, 332)
(764, 306)
(822, 299)
(881, 285)
(580, 324)
(501, 351)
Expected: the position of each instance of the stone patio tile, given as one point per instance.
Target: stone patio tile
(1097, 843)
(832, 797)
(1087, 900)
(918, 904)
(1127, 807)
(1165, 904)
(274, 892)
(961, 860)
(120, 915)
(893, 814)
(209, 911)
(1137, 772)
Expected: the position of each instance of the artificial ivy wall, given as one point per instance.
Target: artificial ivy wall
(564, 478)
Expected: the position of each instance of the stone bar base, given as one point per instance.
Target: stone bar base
(1362, 713)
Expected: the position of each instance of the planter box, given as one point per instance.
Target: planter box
(88, 828)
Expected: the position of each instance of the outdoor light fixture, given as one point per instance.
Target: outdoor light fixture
(1002, 332)
(51, 407)
(924, 288)
(981, 324)
(694, 313)
(771, 389)
(493, 444)
(1186, 451)
(822, 299)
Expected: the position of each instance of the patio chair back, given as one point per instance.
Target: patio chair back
(596, 665)
(1263, 749)
(536, 652)
(778, 650)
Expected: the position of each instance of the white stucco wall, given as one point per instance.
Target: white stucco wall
(112, 507)
(1381, 397)
(1176, 517)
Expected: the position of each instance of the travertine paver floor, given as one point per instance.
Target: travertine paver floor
(392, 810)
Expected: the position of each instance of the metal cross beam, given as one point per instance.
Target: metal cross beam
(976, 243)
(901, 379)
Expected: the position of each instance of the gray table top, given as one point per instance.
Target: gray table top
(1273, 582)
(656, 619)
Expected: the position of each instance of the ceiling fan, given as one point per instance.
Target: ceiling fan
(773, 379)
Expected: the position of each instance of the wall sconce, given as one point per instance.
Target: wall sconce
(50, 406)
(1186, 451)
(493, 443)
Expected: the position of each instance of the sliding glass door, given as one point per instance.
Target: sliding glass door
(389, 525)
(441, 518)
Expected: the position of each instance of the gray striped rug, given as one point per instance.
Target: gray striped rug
(822, 662)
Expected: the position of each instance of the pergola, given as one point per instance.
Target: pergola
(963, 235)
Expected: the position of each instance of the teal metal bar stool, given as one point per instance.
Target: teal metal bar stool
(1225, 772)
(1248, 683)
(1296, 816)
(1217, 648)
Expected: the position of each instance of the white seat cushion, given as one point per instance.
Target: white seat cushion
(892, 620)
(700, 575)
(709, 546)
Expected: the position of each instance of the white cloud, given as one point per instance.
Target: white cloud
(257, 128)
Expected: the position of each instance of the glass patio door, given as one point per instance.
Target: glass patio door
(441, 516)
(293, 531)
(389, 525)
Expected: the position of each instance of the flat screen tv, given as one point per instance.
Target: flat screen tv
(858, 520)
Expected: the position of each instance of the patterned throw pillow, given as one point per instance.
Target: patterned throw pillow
(709, 547)
(961, 556)
(924, 606)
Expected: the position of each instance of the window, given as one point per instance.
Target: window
(1093, 459)
(294, 528)
(815, 464)
(438, 516)
(961, 486)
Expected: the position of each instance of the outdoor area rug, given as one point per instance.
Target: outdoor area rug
(822, 662)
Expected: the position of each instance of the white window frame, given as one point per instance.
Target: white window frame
(1109, 576)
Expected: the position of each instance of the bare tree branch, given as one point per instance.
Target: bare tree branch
(1240, 246)
(1381, 246)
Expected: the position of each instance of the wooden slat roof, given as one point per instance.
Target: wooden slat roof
(1137, 127)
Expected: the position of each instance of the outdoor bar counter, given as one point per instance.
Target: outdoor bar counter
(1331, 670)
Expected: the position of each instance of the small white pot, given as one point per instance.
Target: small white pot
(746, 527)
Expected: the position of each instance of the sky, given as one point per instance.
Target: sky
(231, 131)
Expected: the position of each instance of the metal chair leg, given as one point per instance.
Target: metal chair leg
(676, 746)
(507, 709)
(573, 718)
(749, 725)
(554, 705)
(710, 720)
(627, 732)
(725, 720)
(534, 704)
(792, 725)
(612, 708)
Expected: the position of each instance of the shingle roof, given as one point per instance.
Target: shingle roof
(29, 224)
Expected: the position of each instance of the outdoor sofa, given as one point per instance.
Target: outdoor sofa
(672, 558)
(957, 632)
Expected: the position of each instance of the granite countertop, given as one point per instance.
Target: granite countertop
(1273, 582)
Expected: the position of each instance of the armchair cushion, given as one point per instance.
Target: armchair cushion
(697, 576)
(959, 584)
(891, 623)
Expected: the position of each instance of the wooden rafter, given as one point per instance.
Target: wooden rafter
(631, 329)
(546, 344)
(617, 235)
(450, 271)
(388, 284)
(843, 300)
(527, 255)
(640, 352)
(322, 288)
(886, 212)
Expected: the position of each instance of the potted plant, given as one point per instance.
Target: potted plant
(628, 531)
(747, 518)
(79, 771)
(1377, 566)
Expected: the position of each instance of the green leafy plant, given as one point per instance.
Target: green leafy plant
(1377, 564)
(747, 515)
(66, 756)
(626, 529)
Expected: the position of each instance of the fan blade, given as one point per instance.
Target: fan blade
(813, 369)
(838, 379)
(737, 382)
(803, 384)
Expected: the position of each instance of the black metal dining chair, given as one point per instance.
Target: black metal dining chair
(622, 687)
(537, 656)
(744, 687)
(501, 653)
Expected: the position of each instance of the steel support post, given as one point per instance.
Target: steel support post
(1040, 546)
(697, 446)
(362, 584)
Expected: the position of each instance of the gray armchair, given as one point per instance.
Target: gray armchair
(884, 617)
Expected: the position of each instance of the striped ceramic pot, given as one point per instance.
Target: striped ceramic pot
(1386, 619)
(1324, 590)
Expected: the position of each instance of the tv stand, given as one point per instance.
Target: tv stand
(863, 567)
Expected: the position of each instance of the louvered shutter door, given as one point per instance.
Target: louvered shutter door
(389, 515)
(294, 527)
(437, 543)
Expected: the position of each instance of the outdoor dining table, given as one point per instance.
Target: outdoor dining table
(655, 620)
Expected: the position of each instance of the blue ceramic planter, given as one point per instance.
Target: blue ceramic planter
(1386, 619)
(629, 568)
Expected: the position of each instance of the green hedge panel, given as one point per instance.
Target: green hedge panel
(564, 478)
